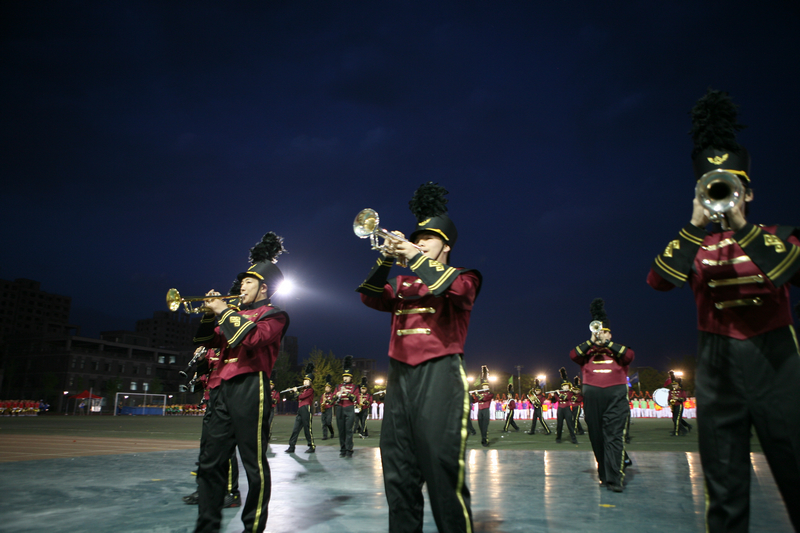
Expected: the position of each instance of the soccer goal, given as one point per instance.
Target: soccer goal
(140, 403)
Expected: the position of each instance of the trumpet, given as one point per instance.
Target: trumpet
(174, 301)
(719, 191)
(366, 225)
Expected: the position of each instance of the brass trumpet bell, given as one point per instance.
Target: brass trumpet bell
(595, 326)
(366, 225)
(174, 301)
(719, 191)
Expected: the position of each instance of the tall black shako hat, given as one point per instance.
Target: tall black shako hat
(510, 389)
(484, 375)
(364, 382)
(598, 310)
(564, 378)
(429, 206)
(714, 127)
(263, 257)
(347, 366)
(537, 385)
(329, 380)
(309, 374)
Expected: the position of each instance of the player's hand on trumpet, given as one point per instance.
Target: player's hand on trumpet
(216, 305)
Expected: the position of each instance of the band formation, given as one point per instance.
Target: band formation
(740, 274)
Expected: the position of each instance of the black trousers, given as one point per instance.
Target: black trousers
(537, 415)
(271, 418)
(345, 420)
(361, 422)
(510, 420)
(483, 424)
(606, 411)
(233, 474)
(423, 440)
(302, 421)
(327, 422)
(240, 418)
(564, 414)
(679, 425)
(576, 419)
(744, 383)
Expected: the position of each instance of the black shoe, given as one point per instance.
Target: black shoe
(574, 440)
(627, 462)
(342, 454)
(349, 455)
(474, 433)
(581, 433)
(311, 449)
(558, 440)
(613, 487)
(485, 442)
(232, 500)
(627, 440)
(191, 499)
(290, 449)
(324, 438)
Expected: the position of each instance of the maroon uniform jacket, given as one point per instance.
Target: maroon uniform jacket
(677, 396)
(248, 339)
(564, 398)
(364, 400)
(349, 391)
(540, 397)
(603, 366)
(511, 405)
(430, 313)
(484, 400)
(740, 279)
(306, 397)
(327, 401)
(276, 397)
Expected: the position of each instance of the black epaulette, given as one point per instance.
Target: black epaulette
(235, 327)
(675, 262)
(437, 276)
(373, 285)
(205, 331)
(583, 348)
(775, 257)
(618, 349)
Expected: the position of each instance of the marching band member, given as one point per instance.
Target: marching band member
(249, 341)
(425, 421)
(364, 402)
(304, 414)
(740, 274)
(564, 399)
(275, 397)
(511, 405)
(537, 398)
(576, 404)
(604, 367)
(484, 399)
(345, 396)
(677, 396)
(326, 406)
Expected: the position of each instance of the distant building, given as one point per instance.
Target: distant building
(169, 330)
(26, 309)
(367, 367)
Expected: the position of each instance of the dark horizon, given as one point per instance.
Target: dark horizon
(150, 146)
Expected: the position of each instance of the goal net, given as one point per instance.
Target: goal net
(140, 403)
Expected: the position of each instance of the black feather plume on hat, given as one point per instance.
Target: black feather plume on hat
(428, 201)
(510, 388)
(328, 380)
(270, 247)
(309, 371)
(536, 384)
(364, 381)
(484, 374)
(714, 122)
(598, 310)
(671, 375)
(563, 372)
(347, 366)
(576, 381)
(236, 288)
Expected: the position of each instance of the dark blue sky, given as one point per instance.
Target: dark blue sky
(150, 145)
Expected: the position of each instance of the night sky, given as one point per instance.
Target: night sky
(149, 145)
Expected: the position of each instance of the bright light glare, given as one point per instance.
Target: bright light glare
(541, 376)
(285, 287)
(379, 381)
(492, 378)
(678, 374)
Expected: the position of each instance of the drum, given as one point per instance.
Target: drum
(661, 397)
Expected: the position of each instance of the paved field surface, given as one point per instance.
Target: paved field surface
(127, 474)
